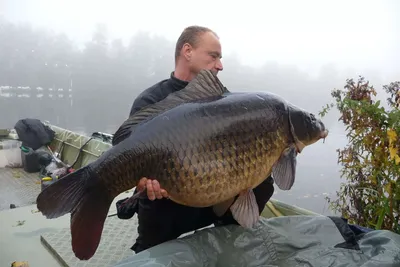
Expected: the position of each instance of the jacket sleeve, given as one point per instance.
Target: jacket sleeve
(140, 102)
(127, 207)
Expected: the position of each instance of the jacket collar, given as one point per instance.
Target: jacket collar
(176, 83)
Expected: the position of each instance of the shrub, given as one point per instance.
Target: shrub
(370, 197)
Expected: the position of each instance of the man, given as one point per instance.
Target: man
(161, 219)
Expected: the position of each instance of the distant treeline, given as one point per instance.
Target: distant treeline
(105, 76)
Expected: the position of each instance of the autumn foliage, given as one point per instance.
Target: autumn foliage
(370, 197)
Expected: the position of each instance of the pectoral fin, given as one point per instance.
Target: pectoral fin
(245, 209)
(284, 171)
(220, 208)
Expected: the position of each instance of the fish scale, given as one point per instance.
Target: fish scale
(206, 146)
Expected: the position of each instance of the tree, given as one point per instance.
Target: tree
(370, 197)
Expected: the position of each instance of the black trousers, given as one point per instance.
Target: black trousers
(162, 220)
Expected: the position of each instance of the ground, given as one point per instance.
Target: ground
(25, 234)
(18, 187)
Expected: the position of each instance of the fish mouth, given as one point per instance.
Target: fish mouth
(300, 145)
(324, 134)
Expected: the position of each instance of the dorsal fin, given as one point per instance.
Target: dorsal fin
(205, 84)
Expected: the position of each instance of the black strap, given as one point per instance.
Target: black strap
(349, 236)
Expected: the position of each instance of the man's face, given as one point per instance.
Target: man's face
(206, 55)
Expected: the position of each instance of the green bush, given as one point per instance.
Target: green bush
(370, 197)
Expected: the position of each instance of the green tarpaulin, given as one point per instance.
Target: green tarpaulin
(312, 241)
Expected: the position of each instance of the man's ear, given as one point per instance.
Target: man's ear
(187, 51)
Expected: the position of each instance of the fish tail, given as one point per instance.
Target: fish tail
(83, 195)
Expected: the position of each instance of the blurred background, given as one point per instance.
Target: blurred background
(81, 64)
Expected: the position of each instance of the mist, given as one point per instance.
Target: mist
(80, 65)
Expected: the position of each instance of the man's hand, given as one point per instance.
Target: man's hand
(153, 188)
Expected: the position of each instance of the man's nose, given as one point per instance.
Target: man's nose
(218, 65)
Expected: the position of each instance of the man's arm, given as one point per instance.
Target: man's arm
(127, 207)
(152, 186)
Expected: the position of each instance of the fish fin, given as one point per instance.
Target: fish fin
(220, 208)
(126, 128)
(77, 193)
(284, 170)
(245, 209)
(205, 85)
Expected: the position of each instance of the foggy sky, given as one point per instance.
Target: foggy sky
(354, 35)
(294, 39)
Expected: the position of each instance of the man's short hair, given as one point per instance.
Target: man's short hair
(191, 36)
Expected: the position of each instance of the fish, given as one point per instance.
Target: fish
(205, 145)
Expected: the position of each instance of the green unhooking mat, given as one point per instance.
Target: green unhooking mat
(312, 241)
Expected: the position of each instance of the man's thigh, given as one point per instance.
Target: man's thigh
(263, 192)
(162, 220)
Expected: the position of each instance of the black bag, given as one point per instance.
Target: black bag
(33, 133)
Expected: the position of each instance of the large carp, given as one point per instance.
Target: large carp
(204, 144)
